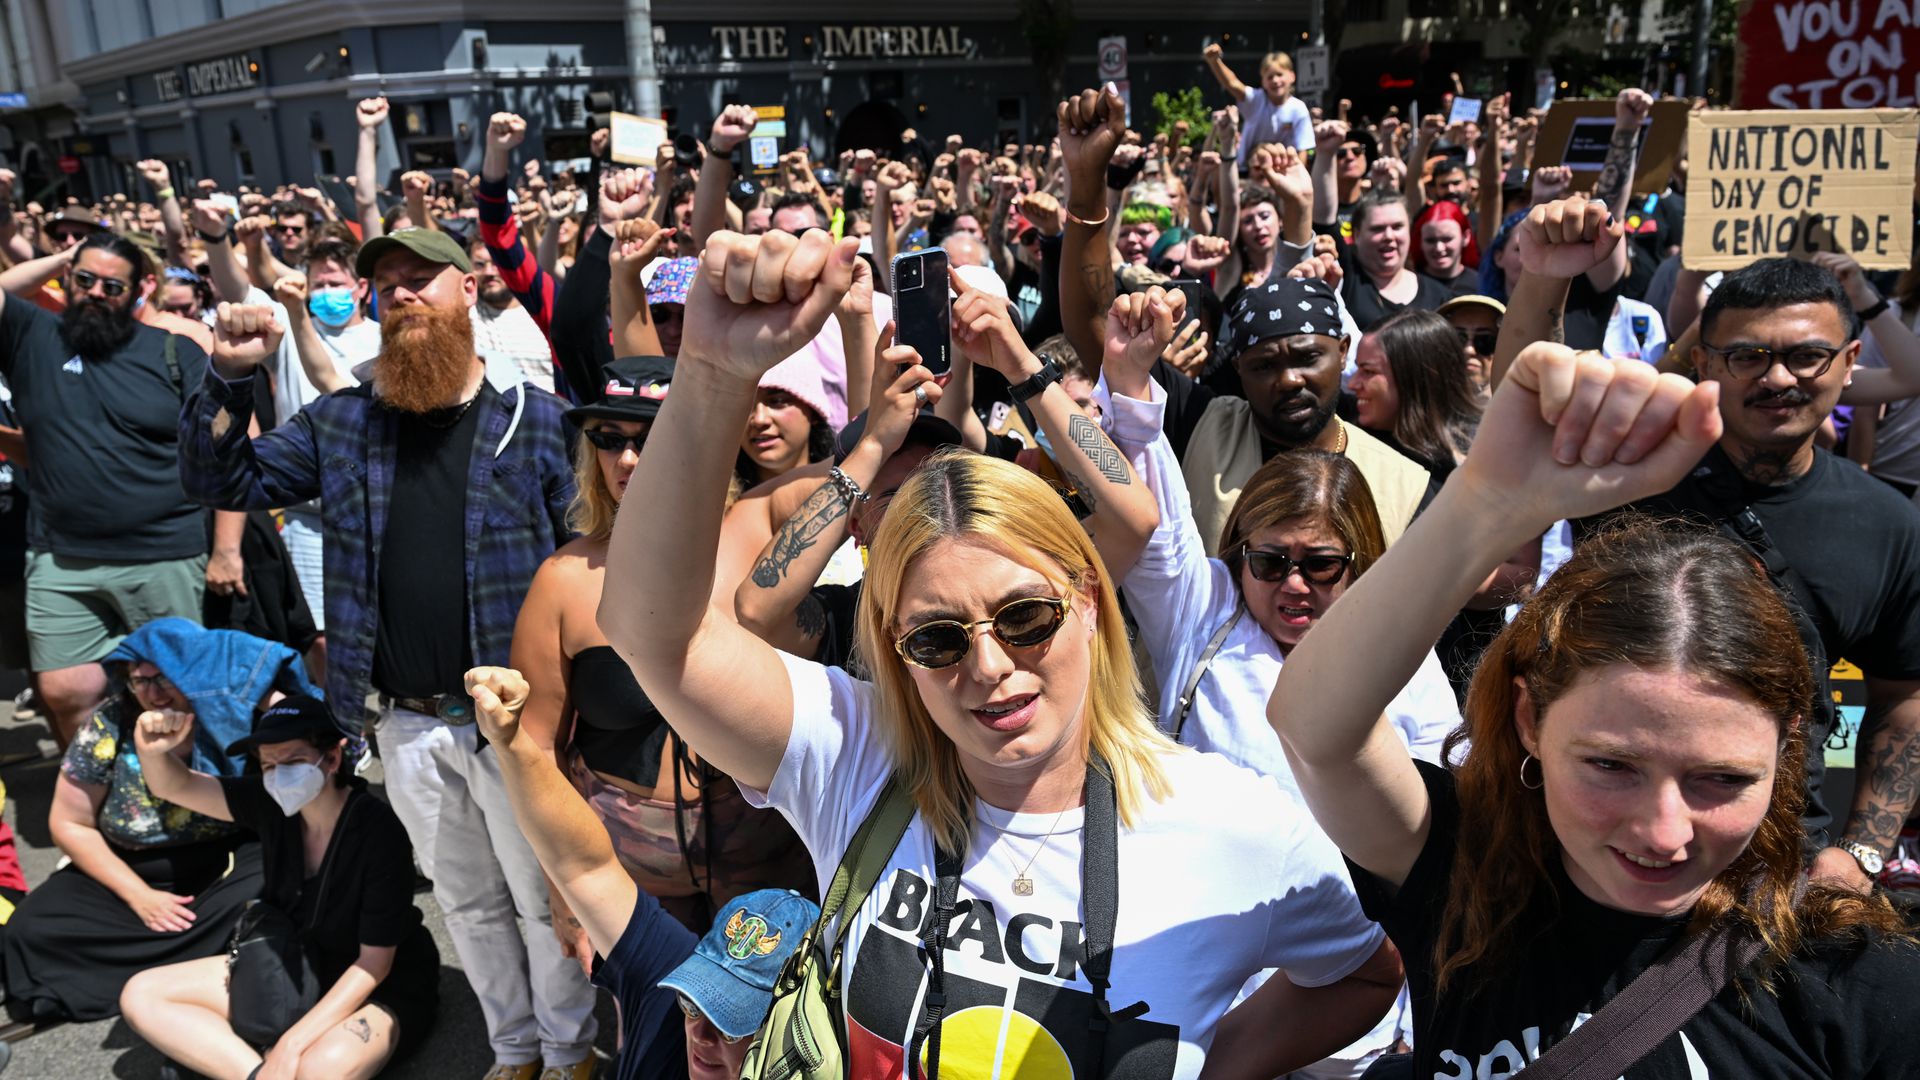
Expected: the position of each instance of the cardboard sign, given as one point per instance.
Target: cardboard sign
(1576, 134)
(1466, 110)
(636, 140)
(1827, 54)
(1793, 182)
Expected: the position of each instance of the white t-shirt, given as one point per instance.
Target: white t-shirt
(1261, 121)
(1180, 598)
(348, 346)
(510, 334)
(1228, 876)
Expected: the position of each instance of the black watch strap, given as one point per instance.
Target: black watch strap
(1031, 387)
(1873, 311)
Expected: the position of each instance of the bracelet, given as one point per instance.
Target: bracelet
(849, 490)
(163, 194)
(1078, 220)
(214, 238)
(1868, 314)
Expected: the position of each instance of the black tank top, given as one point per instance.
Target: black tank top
(619, 732)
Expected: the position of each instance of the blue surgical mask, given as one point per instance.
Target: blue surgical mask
(333, 306)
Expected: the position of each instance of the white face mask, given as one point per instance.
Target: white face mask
(294, 785)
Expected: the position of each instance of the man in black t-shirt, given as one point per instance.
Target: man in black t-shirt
(115, 541)
(1781, 340)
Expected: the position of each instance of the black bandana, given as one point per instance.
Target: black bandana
(1282, 308)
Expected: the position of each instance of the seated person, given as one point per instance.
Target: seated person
(151, 882)
(339, 866)
(651, 960)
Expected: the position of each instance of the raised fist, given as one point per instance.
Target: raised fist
(731, 128)
(416, 182)
(251, 230)
(371, 112)
(1205, 253)
(243, 336)
(153, 172)
(757, 299)
(498, 695)
(1211, 52)
(1567, 237)
(1091, 124)
(1632, 106)
(291, 291)
(161, 731)
(1043, 210)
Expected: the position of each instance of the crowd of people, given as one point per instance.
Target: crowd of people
(1339, 602)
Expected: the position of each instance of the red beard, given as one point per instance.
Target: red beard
(426, 358)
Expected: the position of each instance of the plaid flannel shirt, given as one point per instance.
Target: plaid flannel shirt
(341, 448)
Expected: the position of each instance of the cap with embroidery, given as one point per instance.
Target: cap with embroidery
(731, 973)
(632, 388)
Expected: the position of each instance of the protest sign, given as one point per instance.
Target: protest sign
(1827, 54)
(1798, 182)
(1576, 134)
(635, 140)
(1466, 110)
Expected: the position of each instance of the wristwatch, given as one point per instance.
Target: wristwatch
(1030, 387)
(1868, 858)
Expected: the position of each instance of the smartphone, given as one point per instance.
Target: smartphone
(922, 307)
(1192, 290)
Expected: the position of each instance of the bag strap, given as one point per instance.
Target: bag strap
(933, 942)
(171, 351)
(1100, 899)
(867, 854)
(1185, 704)
(1657, 1003)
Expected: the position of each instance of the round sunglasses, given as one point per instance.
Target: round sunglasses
(1273, 566)
(1021, 624)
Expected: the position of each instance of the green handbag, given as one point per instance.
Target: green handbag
(804, 1036)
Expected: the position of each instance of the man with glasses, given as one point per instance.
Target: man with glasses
(1780, 339)
(116, 542)
(291, 229)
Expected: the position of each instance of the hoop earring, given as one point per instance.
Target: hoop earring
(1523, 774)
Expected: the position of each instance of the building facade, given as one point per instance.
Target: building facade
(263, 91)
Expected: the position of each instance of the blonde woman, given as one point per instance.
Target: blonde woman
(1004, 699)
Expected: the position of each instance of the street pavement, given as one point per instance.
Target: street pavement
(456, 1050)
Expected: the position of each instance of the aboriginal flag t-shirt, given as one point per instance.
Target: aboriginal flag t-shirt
(1226, 877)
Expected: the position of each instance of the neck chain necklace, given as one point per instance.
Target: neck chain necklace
(1340, 447)
(453, 413)
(1022, 884)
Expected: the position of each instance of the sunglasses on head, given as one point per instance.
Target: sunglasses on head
(693, 1013)
(1021, 624)
(613, 442)
(85, 280)
(1483, 341)
(1274, 566)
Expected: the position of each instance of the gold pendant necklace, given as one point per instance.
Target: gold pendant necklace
(1022, 884)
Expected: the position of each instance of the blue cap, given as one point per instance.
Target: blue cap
(731, 973)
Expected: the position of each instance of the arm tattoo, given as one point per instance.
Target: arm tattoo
(811, 616)
(1889, 778)
(1556, 326)
(821, 510)
(1617, 167)
(1104, 455)
(360, 1029)
(1082, 492)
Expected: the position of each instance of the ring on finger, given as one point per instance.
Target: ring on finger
(920, 395)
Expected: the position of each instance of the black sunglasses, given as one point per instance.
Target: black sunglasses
(85, 280)
(613, 442)
(1272, 566)
(1022, 624)
(1483, 341)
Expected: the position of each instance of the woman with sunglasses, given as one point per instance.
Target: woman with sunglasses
(1635, 776)
(1303, 530)
(1004, 700)
(679, 827)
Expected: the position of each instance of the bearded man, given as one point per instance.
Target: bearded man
(115, 541)
(444, 482)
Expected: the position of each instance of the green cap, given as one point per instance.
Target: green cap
(430, 244)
